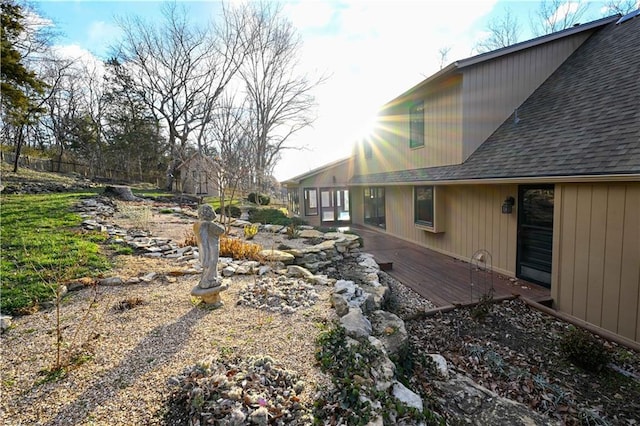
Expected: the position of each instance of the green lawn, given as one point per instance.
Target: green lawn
(43, 245)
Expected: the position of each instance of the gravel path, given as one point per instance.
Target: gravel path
(125, 356)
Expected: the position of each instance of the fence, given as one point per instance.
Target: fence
(66, 167)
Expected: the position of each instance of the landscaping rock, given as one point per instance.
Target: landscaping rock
(339, 304)
(5, 322)
(311, 233)
(390, 330)
(356, 324)
(441, 365)
(121, 192)
(477, 405)
(277, 256)
(412, 399)
(111, 281)
(298, 272)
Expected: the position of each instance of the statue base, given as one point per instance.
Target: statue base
(210, 296)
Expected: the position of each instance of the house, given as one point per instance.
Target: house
(198, 175)
(531, 152)
(321, 196)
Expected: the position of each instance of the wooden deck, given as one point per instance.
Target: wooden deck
(441, 279)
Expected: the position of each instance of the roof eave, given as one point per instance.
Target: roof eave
(299, 178)
(619, 177)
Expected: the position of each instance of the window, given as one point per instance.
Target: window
(374, 213)
(310, 202)
(423, 205)
(416, 125)
(294, 200)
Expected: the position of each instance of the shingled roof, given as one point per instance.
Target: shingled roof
(584, 120)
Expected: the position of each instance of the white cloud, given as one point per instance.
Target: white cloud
(80, 56)
(100, 34)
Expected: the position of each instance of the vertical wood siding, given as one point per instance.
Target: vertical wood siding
(336, 176)
(473, 220)
(597, 255)
(443, 133)
(493, 90)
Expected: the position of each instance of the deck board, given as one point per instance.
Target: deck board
(439, 278)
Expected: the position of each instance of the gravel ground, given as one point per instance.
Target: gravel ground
(124, 357)
(124, 344)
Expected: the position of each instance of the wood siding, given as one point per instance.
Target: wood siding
(336, 176)
(473, 220)
(442, 126)
(596, 265)
(492, 90)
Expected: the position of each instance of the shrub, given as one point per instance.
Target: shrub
(250, 231)
(230, 211)
(238, 249)
(189, 239)
(292, 231)
(483, 308)
(584, 349)
(261, 199)
(272, 216)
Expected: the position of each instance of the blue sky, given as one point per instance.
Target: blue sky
(371, 50)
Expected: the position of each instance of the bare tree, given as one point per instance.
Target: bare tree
(503, 31)
(280, 99)
(63, 102)
(621, 7)
(557, 15)
(443, 54)
(231, 130)
(92, 105)
(180, 69)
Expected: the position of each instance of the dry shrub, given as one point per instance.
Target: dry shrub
(189, 239)
(138, 216)
(238, 249)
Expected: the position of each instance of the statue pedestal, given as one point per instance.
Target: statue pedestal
(210, 296)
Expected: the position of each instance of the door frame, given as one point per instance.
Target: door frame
(520, 212)
(333, 191)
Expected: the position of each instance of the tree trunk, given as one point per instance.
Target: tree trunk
(18, 149)
(121, 192)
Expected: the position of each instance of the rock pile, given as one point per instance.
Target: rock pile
(30, 187)
(334, 246)
(253, 391)
(281, 294)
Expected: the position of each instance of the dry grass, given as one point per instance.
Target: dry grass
(134, 215)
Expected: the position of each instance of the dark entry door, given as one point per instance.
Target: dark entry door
(535, 233)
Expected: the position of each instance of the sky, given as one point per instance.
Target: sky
(369, 50)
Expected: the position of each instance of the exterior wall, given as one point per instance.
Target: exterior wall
(473, 220)
(596, 264)
(494, 89)
(336, 176)
(443, 136)
(188, 182)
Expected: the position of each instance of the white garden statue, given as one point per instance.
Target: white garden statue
(207, 234)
